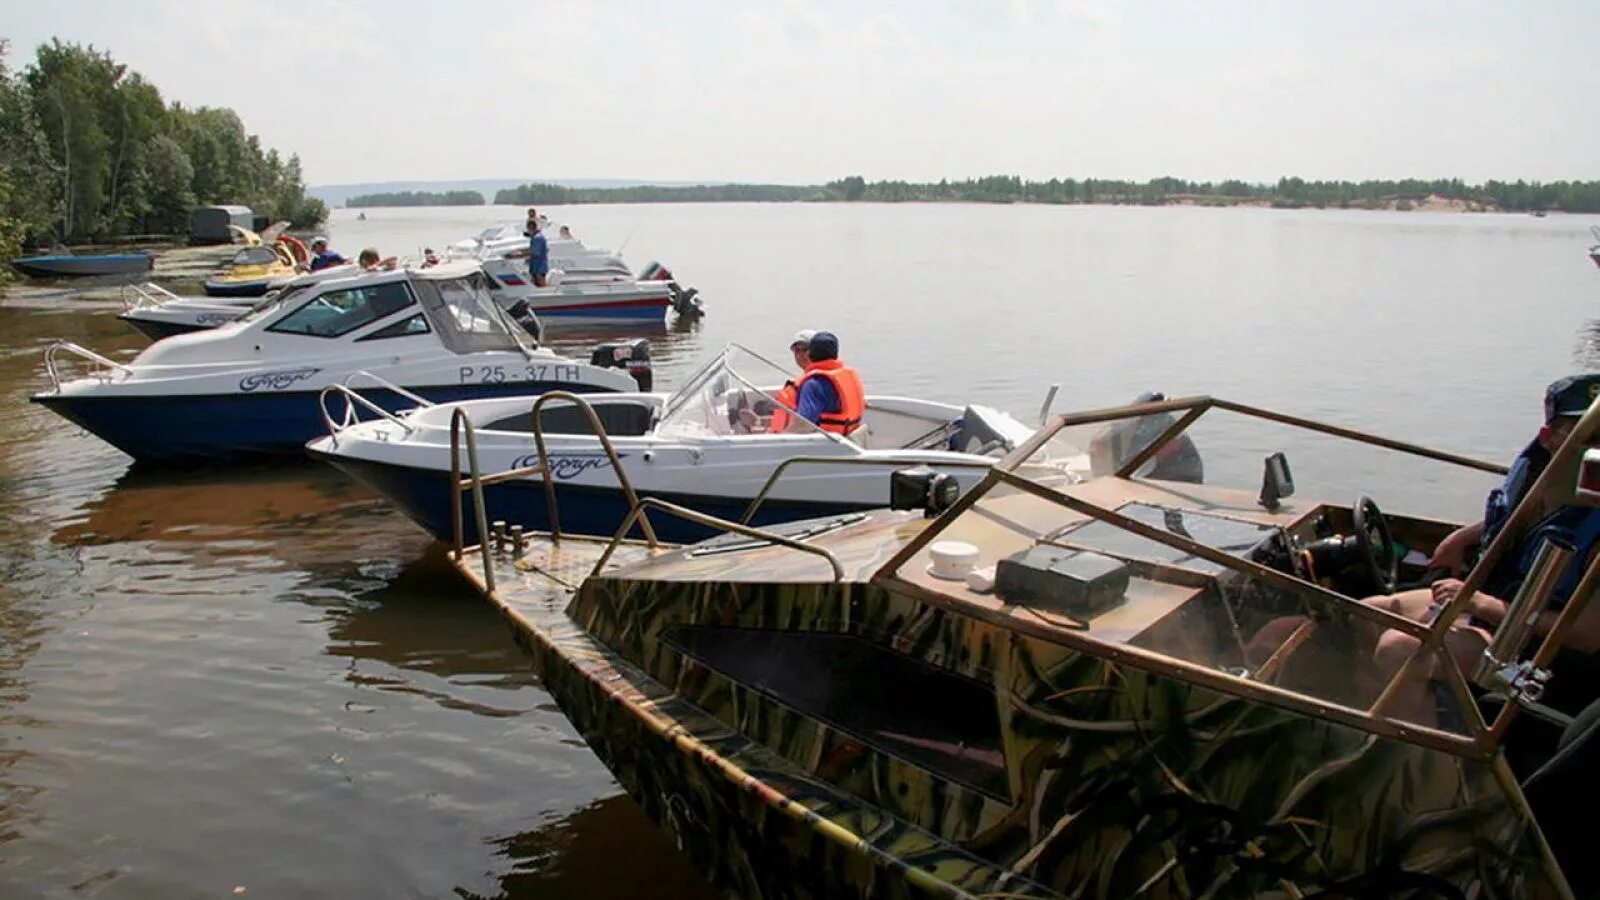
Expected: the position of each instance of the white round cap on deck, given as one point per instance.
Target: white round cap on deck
(952, 559)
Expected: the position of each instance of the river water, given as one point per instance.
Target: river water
(263, 682)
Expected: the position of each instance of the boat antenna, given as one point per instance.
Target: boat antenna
(625, 240)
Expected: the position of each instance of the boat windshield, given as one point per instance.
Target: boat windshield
(259, 255)
(464, 315)
(1154, 562)
(735, 392)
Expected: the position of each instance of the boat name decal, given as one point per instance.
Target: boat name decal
(569, 465)
(530, 372)
(276, 381)
(213, 318)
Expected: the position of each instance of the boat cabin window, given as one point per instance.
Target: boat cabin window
(276, 301)
(337, 313)
(464, 315)
(411, 325)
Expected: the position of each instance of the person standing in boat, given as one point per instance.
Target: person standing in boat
(322, 257)
(538, 251)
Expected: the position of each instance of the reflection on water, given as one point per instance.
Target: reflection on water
(265, 678)
(605, 850)
(1586, 350)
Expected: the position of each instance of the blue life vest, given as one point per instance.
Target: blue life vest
(1576, 526)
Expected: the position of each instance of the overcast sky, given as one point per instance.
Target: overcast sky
(803, 91)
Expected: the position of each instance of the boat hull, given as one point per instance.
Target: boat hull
(753, 824)
(156, 329)
(82, 266)
(172, 428)
(220, 288)
(424, 496)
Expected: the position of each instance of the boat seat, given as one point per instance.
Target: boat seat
(1563, 794)
(862, 437)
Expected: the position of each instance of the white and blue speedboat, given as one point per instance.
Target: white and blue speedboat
(252, 386)
(691, 448)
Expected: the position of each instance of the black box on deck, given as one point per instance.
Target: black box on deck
(1076, 582)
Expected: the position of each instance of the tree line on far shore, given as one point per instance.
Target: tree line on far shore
(1291, 193)
(89, 150)
(417, 198)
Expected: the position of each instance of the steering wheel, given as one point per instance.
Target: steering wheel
(1376, 544)
(737, 404)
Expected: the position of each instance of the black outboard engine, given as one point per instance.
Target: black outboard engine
(632, 355)
(522, 313)
(685, 301)
(922, 488)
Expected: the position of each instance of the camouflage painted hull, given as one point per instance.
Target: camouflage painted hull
(1107, 780)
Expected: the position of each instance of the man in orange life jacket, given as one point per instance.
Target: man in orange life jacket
(829, 393)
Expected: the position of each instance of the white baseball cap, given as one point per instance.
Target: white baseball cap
(803, 336)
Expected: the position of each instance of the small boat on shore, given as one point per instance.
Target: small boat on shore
(253, 386)
(252, 271)
(690, 448)
(1113, 687)
(72, 266)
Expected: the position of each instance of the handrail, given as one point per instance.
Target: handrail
(543, 465)
(772, 480)
(1194, 406)
(52, 368)
(711, 522)
(461, 423)
(352, 397)
(351, 394)
(389, 385)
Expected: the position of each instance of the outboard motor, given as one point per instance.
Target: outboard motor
(686, 301)
(522, 313)
(632, 355)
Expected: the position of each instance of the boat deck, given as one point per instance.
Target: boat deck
(545, 577)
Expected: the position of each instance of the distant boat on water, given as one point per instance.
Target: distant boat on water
(66, 265)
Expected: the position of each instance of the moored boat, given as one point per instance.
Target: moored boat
(1114, 687)
(252, 386)
(690, 447)
(71, 266)
(252, 270)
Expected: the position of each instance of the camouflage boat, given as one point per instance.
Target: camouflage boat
(1161, 690)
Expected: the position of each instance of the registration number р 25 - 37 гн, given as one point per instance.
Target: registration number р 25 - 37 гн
(499, 374)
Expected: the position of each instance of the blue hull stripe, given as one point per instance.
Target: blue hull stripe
(228, 426)
(600, 312)
(424, 496)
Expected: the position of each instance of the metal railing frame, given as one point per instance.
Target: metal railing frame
(53, 368)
